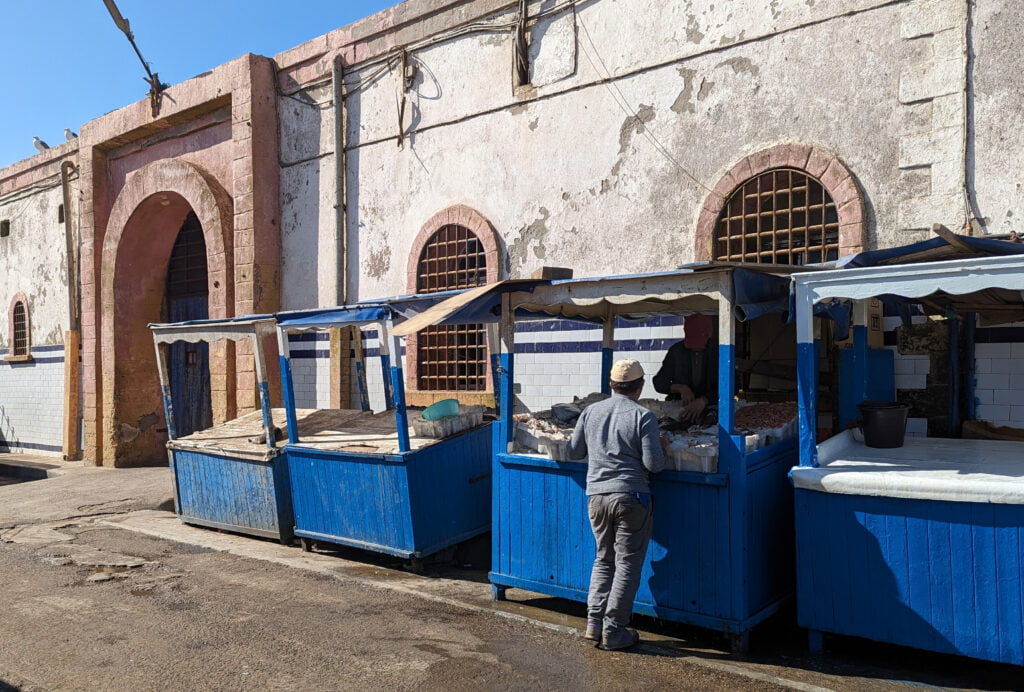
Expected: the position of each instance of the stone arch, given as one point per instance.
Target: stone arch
(820, 164)
(459, 215)
(467, 217)
(143, 225)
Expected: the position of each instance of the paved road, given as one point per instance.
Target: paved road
(192, 618)
(102, 588)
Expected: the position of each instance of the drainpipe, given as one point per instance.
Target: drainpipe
(339, 346)
(340, 178)
(72, 338)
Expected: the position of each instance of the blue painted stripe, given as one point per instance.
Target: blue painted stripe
(17, 444)
(309, 354)
(595, 346)
(34, 361)
(571, 326)
(999, 335)
(308, 336)
(36, 349)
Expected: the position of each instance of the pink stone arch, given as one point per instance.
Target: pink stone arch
(821, 165)
(141, 231)
(459, 215)
(19, 297)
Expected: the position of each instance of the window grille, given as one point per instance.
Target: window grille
(186, 270)
(20, 337)
(782, 216)
(452, 358)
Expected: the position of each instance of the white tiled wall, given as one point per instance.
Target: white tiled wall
(999, 383)
(32, 403)
(544, 379)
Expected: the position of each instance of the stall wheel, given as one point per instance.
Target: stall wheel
(498, 593)
(815, 641)
(307, 545)
(740, 644)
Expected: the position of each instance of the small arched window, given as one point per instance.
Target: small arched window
(452, 358)
(20, 328)
(781, 216)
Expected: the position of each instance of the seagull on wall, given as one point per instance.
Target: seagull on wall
(69, 135)
(40, 144)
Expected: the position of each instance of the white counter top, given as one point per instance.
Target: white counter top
(923, 469)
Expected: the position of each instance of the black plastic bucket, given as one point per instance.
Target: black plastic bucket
(884, 423)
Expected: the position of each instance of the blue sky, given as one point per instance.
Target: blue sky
(66, 63)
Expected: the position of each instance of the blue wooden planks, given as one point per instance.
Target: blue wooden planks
(542, 539)
(412, 504)
(941, 576)
(241, 495)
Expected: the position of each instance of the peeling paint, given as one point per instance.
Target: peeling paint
(684, 101)
(378, 262)
(128, 433)
(533, 123)
(519, 108)
(634, 125)
(148, 421)
(741, 66)
(531, 236)
(705, 89)
(693, 33)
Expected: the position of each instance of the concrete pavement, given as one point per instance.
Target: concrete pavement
(111, 531)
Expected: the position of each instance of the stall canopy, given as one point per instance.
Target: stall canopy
(756, 291)
(993, 304)
(232, 328)
(397, 309)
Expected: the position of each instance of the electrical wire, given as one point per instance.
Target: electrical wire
(613, 88)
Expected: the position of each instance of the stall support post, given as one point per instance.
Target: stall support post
(165, 389)
(607, 353)
(732, 454)
(492, 345)
(970, 376)
(385, 365)
(287, 385)
(264, 388)
(357, 344)
(507, 357)
(398, 383)
(953, 323)
(806, 378)
(861, 373)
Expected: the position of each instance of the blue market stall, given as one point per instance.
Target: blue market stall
(230, 476)
(721, 556)
(919, 545)
(374, 482)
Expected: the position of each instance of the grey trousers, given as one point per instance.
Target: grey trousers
(622, 528)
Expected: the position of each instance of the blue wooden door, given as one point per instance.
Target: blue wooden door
(187, 299)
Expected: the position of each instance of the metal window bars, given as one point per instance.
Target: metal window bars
(782, 216)
(20, 341)
(452, 358)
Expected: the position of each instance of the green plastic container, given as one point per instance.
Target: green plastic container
(446, 408)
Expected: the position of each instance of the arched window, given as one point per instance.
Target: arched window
(781, 216)
(21, 340)
(451, 358)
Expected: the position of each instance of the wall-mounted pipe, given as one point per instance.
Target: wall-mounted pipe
(72, 447)
(340, 178)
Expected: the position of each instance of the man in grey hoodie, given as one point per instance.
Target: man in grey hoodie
(623, 446)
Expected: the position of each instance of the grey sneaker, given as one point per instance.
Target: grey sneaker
(620, 639)
(593, 632)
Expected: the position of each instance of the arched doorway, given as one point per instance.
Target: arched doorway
(187, 298)
(167, 208)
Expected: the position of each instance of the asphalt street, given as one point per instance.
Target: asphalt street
(104, 588)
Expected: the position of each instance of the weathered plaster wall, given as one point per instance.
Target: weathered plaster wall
(631, 120)
(998, 105)
(33, 258)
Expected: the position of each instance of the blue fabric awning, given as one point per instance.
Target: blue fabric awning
(931, 250)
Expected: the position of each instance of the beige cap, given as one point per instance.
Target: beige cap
(627, 370)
